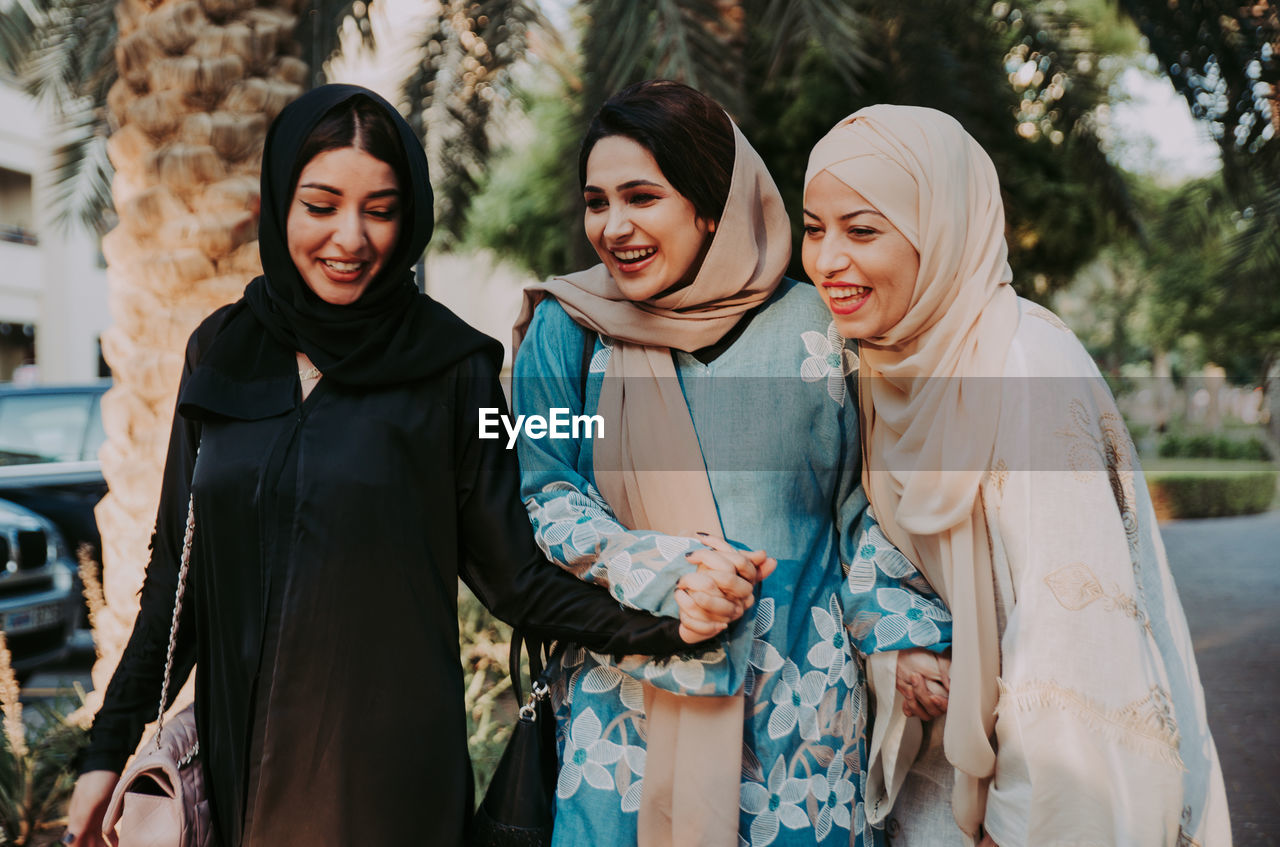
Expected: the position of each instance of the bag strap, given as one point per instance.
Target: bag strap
(543, 662)
(185, 566)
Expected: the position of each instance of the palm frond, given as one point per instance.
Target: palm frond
(839, 29)
(81, 185)
(461, 83)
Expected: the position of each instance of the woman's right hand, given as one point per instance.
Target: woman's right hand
(722, 588)
(88, 807)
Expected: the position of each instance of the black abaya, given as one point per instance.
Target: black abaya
(330, 534)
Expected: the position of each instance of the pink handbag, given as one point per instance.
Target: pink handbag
(160, 800)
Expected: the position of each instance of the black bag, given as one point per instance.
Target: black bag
(517, 807)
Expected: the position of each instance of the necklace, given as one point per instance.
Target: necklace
(310, 373)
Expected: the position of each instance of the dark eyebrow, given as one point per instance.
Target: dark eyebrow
(626, 186)
(387, 192)
(847, 216)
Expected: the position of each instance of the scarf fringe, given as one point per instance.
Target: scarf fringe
(1144, 726)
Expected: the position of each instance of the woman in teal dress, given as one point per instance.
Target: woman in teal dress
(722, 390)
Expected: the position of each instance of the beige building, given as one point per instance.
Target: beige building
(53, 285)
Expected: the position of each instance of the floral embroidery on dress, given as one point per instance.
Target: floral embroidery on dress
(834, 794)
(765, 658)
(1076, 586)
(774, 803)
(829, 359)
(600, 360)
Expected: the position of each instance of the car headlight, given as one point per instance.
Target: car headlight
(57, 549)
(62, 580)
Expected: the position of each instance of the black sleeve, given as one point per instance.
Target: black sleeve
(503, 565)
(133, 695)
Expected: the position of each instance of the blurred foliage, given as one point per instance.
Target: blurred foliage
(1216, 251)
(459, 88)
(1212, 270)
(37, 762)
(1221, 56)
(485, 643)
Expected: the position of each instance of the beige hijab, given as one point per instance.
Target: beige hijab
(929, 389)
(693, 767)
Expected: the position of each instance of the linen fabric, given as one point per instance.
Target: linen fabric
(779, 434)
(692, 764)
(936, 403)
(330, 536)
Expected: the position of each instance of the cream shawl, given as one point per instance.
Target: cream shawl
(928, 432)
(996, 460)
(693, 765)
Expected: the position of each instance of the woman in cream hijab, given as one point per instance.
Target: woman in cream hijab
(727, 443)
(996, 459)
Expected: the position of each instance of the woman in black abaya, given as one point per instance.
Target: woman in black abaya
(340, 492)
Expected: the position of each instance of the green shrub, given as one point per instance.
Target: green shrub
(1203, 446)
(1211, 494)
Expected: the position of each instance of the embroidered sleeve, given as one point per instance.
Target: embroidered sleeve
(888, 604)
(572, 523)
(891, 606)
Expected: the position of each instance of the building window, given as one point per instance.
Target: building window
(17, 352)
(17, 208)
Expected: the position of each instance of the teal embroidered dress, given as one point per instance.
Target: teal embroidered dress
(779, 439)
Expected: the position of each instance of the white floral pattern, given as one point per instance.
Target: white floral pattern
(829, 359)
(585, 756)
(831, 652)
(776, 803)
(795, 701)
(833, 793)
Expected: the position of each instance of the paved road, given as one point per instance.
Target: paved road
(1228, 573)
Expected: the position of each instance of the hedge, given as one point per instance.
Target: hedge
(1212, 447)
(1211, 494)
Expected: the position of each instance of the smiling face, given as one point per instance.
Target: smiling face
(647, 234)
(864, 268)
(343, 223)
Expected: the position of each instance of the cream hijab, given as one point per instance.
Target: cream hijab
(929, 389)
(694, 761)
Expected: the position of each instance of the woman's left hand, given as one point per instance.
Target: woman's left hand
(924, 681)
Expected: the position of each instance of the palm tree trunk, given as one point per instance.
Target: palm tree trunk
(199, 83)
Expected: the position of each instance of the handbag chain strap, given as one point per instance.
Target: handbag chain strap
(188, 535)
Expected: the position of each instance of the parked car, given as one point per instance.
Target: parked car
(39, 601)
(50, 482)
(49, 440)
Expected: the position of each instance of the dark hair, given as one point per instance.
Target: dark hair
(687, 133)
(360, 123)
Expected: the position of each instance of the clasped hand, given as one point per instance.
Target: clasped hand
(721, 589)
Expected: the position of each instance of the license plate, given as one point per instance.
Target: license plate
(29, 619)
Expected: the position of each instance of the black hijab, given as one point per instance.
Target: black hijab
(392, 334)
